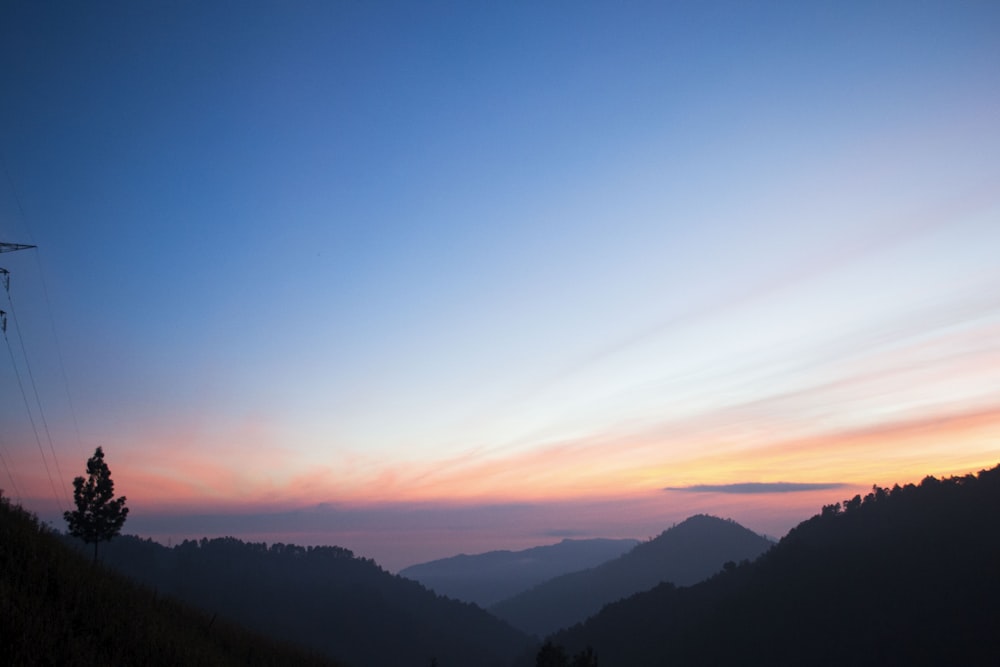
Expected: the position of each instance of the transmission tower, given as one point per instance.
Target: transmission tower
(10, 247)
(5, 274)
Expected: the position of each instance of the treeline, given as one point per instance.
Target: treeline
(323, 598)
(907, 575)
(59, 608)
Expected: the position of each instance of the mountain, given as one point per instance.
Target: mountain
(907, 576)
(689, 552)
(58, 608)
(323, 598)
(490, 577)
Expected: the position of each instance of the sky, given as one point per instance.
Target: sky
(423, 278)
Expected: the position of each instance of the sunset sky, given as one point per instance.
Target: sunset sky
(422, 278)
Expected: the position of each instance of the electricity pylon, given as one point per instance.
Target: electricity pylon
(10, 247)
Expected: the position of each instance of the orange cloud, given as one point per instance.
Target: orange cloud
(631, 465)
(605, 466)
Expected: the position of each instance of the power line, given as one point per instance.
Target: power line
(55, 339)
(10, 247)
(3, 460)
(38, 400)
(31, 419)
(5, 247)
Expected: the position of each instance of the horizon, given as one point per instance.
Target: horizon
(381, 546)
(427, 279)
(379, 539)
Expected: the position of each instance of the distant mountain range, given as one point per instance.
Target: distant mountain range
(904, 576)
(490, 577)
(689, 552)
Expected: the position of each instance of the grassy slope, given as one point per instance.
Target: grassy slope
(57, 608)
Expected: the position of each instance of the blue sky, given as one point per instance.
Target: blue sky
(471, 254)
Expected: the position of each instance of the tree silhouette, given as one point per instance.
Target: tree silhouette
(585, 658)
(554, 655)
(551, 655)
(99, 516)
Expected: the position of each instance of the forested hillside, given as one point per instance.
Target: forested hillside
(904, 576)
(324, 598)
(58, 608)
(684, 554)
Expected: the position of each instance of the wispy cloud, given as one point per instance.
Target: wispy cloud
(757, 487)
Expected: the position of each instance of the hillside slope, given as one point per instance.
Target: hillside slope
(324, 598)
(908, 576)
(690, 551)
(57, 608)
(490, 577)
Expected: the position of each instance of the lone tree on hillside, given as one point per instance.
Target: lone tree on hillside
(99, 516)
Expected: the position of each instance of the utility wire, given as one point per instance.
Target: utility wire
(31, 419)
(55, 337)
(38, 400)
(13, 190)
(17, 492)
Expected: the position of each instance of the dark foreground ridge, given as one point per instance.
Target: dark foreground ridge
(58, 608)
(907, 576)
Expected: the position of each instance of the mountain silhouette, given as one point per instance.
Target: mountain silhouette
(689, 552)
(907, 576)
(493, 576)
(323, 598)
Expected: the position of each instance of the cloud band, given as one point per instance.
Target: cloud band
(757, 487)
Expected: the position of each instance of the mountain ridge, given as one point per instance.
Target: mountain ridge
(489, 577)
(906, 575)
(686, 553)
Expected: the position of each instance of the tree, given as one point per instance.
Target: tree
(551, 655)
(99, 516)
(554, 655)
(585, 658)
